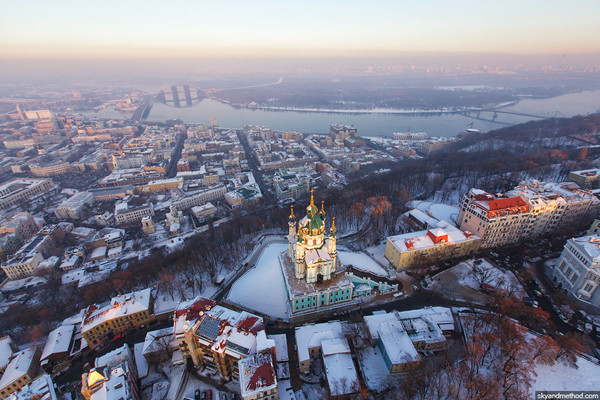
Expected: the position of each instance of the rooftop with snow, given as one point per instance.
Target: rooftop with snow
(256, 374)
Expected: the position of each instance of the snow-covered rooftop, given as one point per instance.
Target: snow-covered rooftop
(18, 367)
(440, 316)
(59, 341)
(397, 343)
(256, 374)
(334, 346)
(6, 350)
(339, 367)
(114, 357)
(157, 340)
(41, 388)
(310, 336)
(430, 238)
(590, 245)
(281, 348)
(119, 306)
(188, 312)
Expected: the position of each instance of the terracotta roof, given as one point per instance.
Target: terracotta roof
(193, 311)
(499, 204)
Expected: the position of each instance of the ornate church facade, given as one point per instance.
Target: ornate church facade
(313, 275)
(314, 254)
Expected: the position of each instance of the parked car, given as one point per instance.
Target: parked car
(197, 394)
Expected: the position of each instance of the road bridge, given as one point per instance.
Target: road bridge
(182, 96)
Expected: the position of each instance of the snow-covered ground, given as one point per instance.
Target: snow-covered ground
(469, 274)
(262, 288)
(361, 261)
(438, 211)
(377, 252)
(314, 391)
(373, 368)
(28, 282)
(192, 384)
(563, 377)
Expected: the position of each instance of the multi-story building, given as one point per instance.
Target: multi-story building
(258, 379)
(401, 335)
(328, 341)
(148, 225)
(14, 231)
(127, 161)
(41, 388)
(28, 257)
(20, 371)
(291, 186)
(204, 211)
(22, 266)
(410, 136)
(19, 143)
(309, 338)
(134, 176)
(496, 219)
(585, 178)
(160, 185)
(53, 168)
(432, 146)
(531, 209)
(22, 224)
(395, 346)
(113, 377)
(186, 200)
(341, 132)
(577, 271)
(125, 215)
(247, 194)
(7, 349)
(58, 347)
(112, 193)
(105, 219)
(436, 244)
(595, 228)
(125, 312)
(217, 337)
(553, 206)
(73, 207)
(18, 190)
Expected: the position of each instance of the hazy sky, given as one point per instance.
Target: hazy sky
(128, 28)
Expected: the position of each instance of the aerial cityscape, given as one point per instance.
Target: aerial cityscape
(317, 200)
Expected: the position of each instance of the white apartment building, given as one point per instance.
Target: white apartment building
(556, 205)
(577, 271)
(18, 190)
(73, 207)
(124, 214)
(497, 219)
(183, 201)
(531, 209)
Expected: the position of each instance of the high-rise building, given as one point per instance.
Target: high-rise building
(531, 209)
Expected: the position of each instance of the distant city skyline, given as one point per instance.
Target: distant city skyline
(141, 29)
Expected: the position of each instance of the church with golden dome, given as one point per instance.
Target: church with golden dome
(313, 274)
(313, 253)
